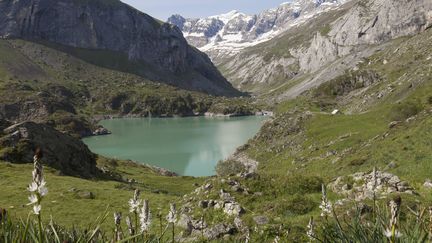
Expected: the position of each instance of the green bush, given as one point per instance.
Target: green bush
(405, 110)
(296, 205)
(302, 184)
(229, 167)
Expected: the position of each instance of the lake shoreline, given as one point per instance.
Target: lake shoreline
(98, 118)
(188, 147)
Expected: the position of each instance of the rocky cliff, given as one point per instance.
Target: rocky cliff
(160, 48)
(222, 36)
(326, 45)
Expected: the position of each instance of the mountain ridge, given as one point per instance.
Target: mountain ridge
(222, 36)
(324, 47)
(115, 26)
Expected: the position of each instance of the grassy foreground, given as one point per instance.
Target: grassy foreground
(69, 202)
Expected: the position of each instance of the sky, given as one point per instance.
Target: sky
(162, 9)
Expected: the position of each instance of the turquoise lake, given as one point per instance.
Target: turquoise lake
(188, 146)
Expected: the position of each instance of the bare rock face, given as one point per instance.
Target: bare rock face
(375, 21)
(114, 26)
(367, 22)
(331, 43)
(62, 152)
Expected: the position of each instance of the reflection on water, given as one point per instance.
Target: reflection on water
(188, 146)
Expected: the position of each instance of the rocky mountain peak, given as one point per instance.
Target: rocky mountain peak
(177, 20)
(227, 34)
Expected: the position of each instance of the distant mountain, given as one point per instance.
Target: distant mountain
(227, 34)
(158, 50)
(325, 46)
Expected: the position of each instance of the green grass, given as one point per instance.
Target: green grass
(296, 145)
(68, 209)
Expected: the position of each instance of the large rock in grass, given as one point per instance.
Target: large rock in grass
(61, 151)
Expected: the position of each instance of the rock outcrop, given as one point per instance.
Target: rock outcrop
(60, 151)
(113, 26)
(361, 186)
(366, 23)
(342, 37)
(36, 109)
(222, 36)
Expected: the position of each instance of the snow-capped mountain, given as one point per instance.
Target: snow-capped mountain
(227, 34)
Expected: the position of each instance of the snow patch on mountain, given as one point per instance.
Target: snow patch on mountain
(225, 35)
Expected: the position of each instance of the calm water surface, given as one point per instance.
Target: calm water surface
(187, 146)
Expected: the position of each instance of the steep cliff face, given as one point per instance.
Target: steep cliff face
(114, 26)
(326, 45)
(367, 23)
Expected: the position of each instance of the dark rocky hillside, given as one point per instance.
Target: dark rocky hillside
(60, 151)
(134, 42)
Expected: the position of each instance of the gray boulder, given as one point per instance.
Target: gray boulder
(60, 151)
(233, 209)
(218, 231)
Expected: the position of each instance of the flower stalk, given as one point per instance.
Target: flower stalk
(326, 206)
(392, 232)
(134, 207)
(145, 217)
(172, 218)
(117, 221)
(37, 189)
(311, 230)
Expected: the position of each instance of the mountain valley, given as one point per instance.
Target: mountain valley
(347, 86)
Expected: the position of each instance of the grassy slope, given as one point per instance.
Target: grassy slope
(68, 209)
(48, 66)
(358, 139)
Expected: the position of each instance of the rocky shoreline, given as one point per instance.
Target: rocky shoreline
(101, 131)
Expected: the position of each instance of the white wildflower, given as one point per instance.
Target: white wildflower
(247, 237)
(389, 234)
(392, 231)
(32, 187)
(36, 209)
(33, 199)
(172, 215)
(326, 206)
(117, 218)
(117, 221)
(311, 229)
(43, 190)
(145, 217)
(134, 202)
(37, 187)
(277, 239)
(129, 225)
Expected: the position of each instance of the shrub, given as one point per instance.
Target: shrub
(405, 110)
(302, 184)
(229, 167)
(296, 205)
